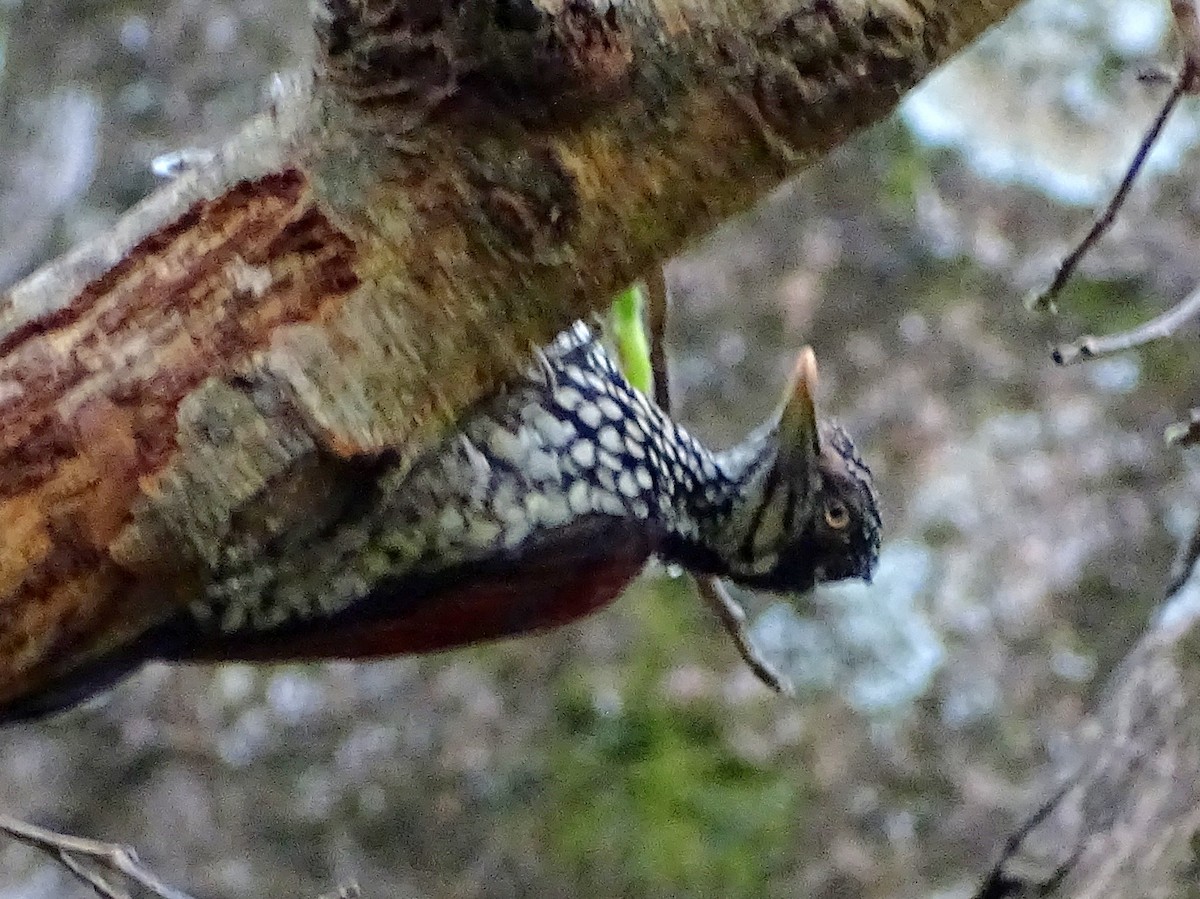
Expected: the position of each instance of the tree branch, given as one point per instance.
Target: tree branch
(459, 181)
(92, 861)
(1157, 328)
(1126, 801)
(1045, 299)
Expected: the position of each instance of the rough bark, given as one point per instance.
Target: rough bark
(458, 181)
(1124, 806)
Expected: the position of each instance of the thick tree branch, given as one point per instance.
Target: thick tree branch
(1125, 804)
(460, 180)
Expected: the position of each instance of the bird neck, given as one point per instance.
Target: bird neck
(714, 526)
(710, 508)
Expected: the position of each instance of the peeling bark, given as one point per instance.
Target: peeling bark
(458, 182)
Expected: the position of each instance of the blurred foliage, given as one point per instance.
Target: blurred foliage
(648, 797)
(650, 802)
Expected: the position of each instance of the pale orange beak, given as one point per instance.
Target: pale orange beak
(798, 435)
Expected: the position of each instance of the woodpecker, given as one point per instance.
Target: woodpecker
(540, 508)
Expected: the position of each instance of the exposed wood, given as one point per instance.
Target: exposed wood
(459, 181)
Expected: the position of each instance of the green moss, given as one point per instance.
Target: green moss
(647, 797)
(1102, 305)
(1168, 363)
(648, 800)
(944, 285)
(907, 170)
(941, 534)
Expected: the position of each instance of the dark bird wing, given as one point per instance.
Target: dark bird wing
(563, 575)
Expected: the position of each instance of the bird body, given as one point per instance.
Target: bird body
(541, 507)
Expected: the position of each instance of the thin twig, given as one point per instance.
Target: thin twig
(729, 611)
(93, 861)
(1187, 25)
(1157, 328)
(1045, 299)
(94, 879)
(658, 304)
(733, 619)
(71, 852)
(1154, 75)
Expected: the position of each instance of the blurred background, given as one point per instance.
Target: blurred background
(1031, 514)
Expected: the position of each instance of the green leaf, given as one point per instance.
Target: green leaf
(627, 327)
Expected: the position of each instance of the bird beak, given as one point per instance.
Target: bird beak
(798, 436)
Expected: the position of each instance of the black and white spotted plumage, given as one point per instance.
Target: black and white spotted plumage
(572, 440)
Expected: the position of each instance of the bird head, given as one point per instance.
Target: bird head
(810, 514)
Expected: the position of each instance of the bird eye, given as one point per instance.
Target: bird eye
(837, 516)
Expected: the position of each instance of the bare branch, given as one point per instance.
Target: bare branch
(733, 619)
(1187, 24)
(1157, 328)
(507, 178)
(658, 308)
(91, 860)
(728, 610)
(1045, 299)
(1125, 801)
(95, 862)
